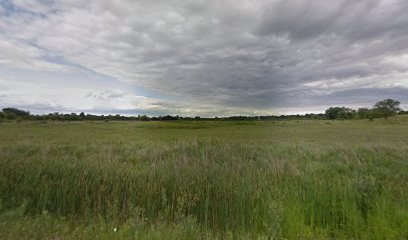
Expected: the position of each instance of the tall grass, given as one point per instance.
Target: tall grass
(244, 180)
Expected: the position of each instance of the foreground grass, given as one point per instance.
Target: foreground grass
(155, 180)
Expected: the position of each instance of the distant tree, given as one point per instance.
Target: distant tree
(144, 118)
(400, 112)
(345, 113)
(73, 117)
(14, 113)
(168, 118)
(331, 113)
(387, 107)
(339, 113)
(363, 112)
(373, 113)
(53, 116)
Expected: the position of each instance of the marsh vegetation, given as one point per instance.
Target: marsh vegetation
(196, 180)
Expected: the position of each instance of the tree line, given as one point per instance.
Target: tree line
(383, 109)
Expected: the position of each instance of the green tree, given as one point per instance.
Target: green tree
(339, 113)
(387, 107)
(345, 113)
(144, 118)
(363, 112)
(331, 113)
(14, 113)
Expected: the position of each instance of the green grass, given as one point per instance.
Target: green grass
(204, 180)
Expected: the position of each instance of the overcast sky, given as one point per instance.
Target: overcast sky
(202, 58)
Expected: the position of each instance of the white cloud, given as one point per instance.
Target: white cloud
(67, 98)
(19, 55)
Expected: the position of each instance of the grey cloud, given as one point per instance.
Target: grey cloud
(355, 20)
(362, 96)
(229, 56)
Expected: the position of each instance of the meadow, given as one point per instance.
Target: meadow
(204, 180)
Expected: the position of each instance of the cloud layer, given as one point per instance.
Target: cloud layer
(204, 57)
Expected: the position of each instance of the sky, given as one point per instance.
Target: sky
(202, 57)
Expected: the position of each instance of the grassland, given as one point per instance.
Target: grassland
(204, 180)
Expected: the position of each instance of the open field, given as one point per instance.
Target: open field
(198, 180)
